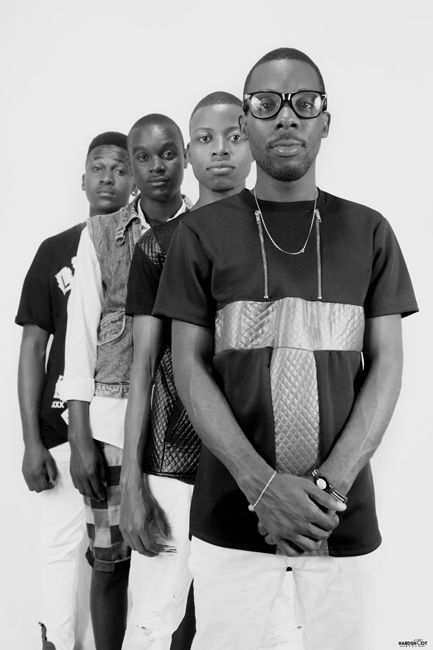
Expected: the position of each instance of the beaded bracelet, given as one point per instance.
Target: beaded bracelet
(252, 506)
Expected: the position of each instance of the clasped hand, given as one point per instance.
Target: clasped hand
(296, 515)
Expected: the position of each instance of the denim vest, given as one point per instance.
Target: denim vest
(114, 237)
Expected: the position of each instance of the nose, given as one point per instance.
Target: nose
(107, 177)
(287, 117)
(156, 165)
(220, 148)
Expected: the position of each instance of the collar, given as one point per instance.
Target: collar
(134, 211)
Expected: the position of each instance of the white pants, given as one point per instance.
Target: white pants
(240, 598)
(65, 592)
(159, 585)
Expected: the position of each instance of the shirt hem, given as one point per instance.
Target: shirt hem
(160, 313)
(343, 551)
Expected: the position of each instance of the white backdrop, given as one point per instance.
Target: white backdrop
(71, 70)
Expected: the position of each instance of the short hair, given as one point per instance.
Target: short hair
(109, 138)
(157, 119)
(217, 97)
(285, 54)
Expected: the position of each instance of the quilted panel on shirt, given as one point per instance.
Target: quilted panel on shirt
(289, 322)
(296, 410)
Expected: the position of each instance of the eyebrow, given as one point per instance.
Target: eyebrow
(212, 128)
(117, 160)
(271, 90)
(168, 143)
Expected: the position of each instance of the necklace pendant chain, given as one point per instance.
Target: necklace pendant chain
(259, 218)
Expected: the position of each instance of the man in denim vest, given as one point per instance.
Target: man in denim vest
(98, 356)
(63, 606)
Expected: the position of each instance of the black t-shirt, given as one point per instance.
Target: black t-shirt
(146, 268)
(288, 359)
(43, 303)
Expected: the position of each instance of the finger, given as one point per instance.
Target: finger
(260, 527)
(51, 471)
(322, 519)
(40, 483)
(324, 499)
(287, 549)
(317, 534)
(86, 489)
(162, 523)
(304, 543)
(97, 487)
(139, 545)
(270, 540)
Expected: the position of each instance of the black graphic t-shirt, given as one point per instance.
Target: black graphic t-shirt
(44, 300)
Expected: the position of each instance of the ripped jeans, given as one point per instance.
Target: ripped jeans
(159, 585)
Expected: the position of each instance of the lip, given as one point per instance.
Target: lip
(158, 182)
(105, 193)
(286, 147)
(220, 169)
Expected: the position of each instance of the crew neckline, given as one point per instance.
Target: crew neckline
(283, 206)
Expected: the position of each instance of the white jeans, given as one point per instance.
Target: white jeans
(65, 589)
(159, 585)
(240, 599)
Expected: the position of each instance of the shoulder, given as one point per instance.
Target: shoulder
(355, 213)
(65, 239)
(211, 217)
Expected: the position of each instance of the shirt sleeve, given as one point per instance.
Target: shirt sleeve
(143, 282)
(185, 291)
(35, 307)
(390, 290)
(84, 314)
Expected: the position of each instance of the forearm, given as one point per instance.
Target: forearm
(79, 423)
(212, 417)
(369, 419)
(31, 380)
(137, 422)
(147, 341)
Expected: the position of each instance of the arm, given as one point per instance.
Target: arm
(289, 509)
(77, 387)
(138, 508)
(39, 468)
(374, 405)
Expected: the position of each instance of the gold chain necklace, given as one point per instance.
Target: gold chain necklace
(259, 215)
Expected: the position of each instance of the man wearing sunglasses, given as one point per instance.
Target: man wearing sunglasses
(286, 305)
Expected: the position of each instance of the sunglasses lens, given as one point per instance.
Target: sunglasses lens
(307, 104)
(264, 104)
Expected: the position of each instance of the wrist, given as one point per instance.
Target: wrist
(322, 481)
(131, 475)
(252, 483)
(33, 443)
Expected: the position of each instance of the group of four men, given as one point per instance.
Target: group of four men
(272, 334)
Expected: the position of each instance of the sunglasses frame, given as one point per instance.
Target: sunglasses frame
(284, 97)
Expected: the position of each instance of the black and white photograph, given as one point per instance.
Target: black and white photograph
(217, 315)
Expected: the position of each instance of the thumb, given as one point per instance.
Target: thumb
(162, 523)
(52, 472)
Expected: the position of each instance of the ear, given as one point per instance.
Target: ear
(83, 182)
(188, 157)
(185, 157)
(243, 125)
(134, 189)
(326, 124)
